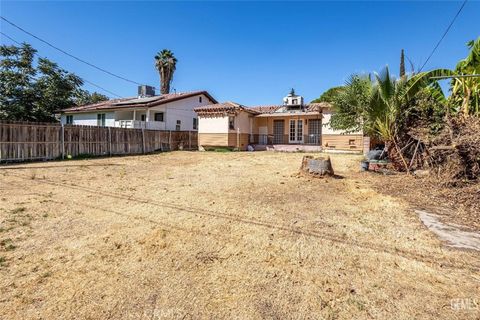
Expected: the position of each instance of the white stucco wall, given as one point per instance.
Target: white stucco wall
(90, 119)
(177, 110)
(212, 124)
(180, 110)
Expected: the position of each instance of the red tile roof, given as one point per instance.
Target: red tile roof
(266, 109)
(233, 107)
(224, 107)
(137, 102)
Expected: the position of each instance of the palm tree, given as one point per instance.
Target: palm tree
(379, 103)
(166, 63)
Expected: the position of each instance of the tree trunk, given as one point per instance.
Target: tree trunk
(318, 167)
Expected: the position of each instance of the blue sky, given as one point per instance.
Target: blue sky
(248, 52)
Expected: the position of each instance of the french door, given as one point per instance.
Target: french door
(296, 131)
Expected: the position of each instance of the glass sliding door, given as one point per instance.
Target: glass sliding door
(278, 130)
(314, 131)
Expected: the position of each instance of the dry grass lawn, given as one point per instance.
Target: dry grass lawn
(190, 235)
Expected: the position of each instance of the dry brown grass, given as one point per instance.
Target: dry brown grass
(218, 235)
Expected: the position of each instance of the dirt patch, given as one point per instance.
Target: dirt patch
(458, 205)
(218, 235)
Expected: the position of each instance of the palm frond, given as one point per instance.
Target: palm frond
(422, 80)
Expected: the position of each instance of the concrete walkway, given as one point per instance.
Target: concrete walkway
(452, 234)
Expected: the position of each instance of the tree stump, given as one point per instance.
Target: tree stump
(318, 167)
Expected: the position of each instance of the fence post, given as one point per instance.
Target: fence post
(170, 140)
(189, 140)
(63, 141)
(109, 141)
(143, 140)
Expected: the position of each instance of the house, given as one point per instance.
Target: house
(173, 111)
(291, 126)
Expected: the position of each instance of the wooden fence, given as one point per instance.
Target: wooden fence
(22, 141)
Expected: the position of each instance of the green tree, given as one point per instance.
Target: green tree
(374, 103)
(84, 97)
(166, 64)
(465, 91)
(380, 104)
(328, 96)
(17, 74)
(34, 92)
(55, 89)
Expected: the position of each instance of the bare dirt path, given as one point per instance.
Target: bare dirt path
(211, 235)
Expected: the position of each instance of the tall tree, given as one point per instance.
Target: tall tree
(84, 97)
(329, 95)
(375, 103)
(402, 64)
(166, 63)
(34, 91)
(55, 89)
(17, 76)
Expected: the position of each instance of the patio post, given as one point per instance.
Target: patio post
(238, 139)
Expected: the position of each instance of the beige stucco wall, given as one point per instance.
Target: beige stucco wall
(219, 123)
(326, 128)
(214, 131)
(242, 122)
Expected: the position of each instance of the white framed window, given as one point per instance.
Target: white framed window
(231, 123)
(179, 125)
(101, 119)
(158, 116)
(200, 99)
(143, 117)
(195, 123)
(69, 119)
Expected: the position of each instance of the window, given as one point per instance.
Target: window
(200, 99)
(179, 123)
(195, 123)
(101, 119)
(143, 117)
(158, 116)
(231, 123)
(351, 142)
(70, 119)
(294, 101)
